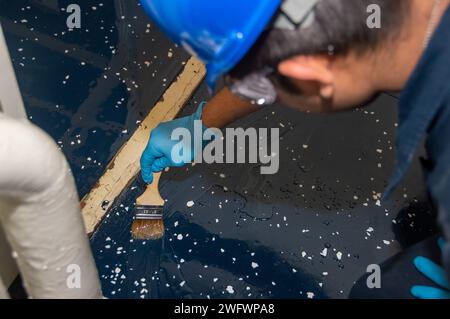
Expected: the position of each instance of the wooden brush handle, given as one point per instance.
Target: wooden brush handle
(151, 196)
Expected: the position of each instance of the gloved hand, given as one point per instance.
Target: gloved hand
(158, 153)
(436, 274)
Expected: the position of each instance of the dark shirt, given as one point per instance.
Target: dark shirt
(425, 111)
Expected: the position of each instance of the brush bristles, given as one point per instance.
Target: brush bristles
(143, 229)
(148, 223)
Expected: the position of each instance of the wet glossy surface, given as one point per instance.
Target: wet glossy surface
(89, 87)
(309, 231)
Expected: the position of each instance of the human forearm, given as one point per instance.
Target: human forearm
(225, 108)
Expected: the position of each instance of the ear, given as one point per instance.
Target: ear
(310, 69)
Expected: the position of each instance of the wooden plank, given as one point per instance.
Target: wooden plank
(125, 165)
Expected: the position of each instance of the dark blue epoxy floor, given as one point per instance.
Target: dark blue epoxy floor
(88, 88)
(309, 231)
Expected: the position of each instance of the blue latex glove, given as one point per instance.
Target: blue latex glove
(436, 274)
(158, 153)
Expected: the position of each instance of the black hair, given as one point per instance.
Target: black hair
(340, 26)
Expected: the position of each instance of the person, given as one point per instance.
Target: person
(324, 56)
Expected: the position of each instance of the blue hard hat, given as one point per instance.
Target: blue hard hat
(218, 32)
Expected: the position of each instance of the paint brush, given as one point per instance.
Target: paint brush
(148, 222)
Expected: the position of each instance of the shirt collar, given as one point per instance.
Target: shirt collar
(421, 99)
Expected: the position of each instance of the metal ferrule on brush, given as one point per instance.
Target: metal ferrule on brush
(148, 212)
